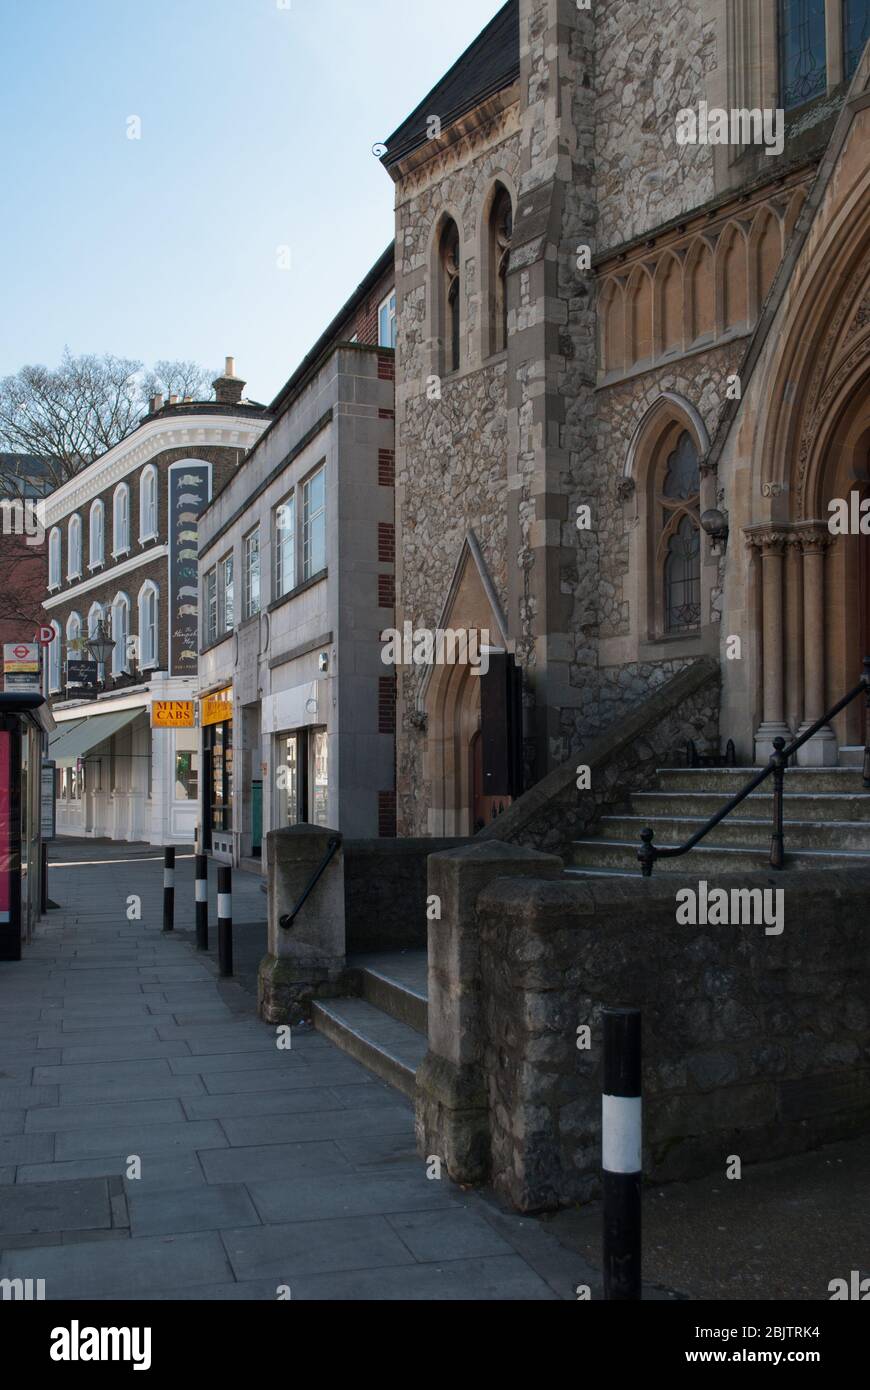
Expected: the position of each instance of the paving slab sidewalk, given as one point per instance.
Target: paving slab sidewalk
(156, 1143)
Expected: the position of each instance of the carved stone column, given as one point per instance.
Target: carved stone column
(771, 545)
(821, 751)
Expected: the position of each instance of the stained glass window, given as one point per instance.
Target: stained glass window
(856, 32)
(683, 578)
(683, 478)
(802, 52)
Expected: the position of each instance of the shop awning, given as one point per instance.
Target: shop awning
(79, 741)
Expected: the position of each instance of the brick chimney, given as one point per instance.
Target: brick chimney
(228, 388)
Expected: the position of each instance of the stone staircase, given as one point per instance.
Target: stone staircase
(385, 1027)
(826, 812)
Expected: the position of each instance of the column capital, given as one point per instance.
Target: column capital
(770, 540)
(814, 538)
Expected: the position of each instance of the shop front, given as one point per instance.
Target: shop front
(25, 719)
(216, 719)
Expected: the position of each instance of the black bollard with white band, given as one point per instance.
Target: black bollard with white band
(201, 890)
(225, 919)
(169, 888)
(621, 1147)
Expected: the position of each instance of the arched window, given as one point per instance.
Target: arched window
(148, 503)
(148, 646)
(74, 637)
(53, 661)
(96, 535)
(74, 547)
(120, 631)
(54, 572)
(802, 51)
(96, 614)
(501, 226)
(121, 520)
(449, 296)
(679, 547)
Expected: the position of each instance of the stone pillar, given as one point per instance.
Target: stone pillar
(304, 961)
(772, 547)
(821, 751)
(452, 1099)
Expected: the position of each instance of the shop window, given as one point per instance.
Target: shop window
(314, 524)
(186, 765)
(304, 758)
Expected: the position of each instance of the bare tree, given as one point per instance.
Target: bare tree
(69, 415)
(179, 379)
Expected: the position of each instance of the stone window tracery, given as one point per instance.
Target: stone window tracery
(450, 298)
(501, 225)
(679, 544)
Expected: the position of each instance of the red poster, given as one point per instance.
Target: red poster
(5, 825)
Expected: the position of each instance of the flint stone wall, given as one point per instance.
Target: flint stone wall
(754, 1045)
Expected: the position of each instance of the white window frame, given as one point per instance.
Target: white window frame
(308, 570)
(74, 547)
(54, 660)
(210, 603)
(149, 650)
(148, 521)
(121, 525)
(226, 627)
(120, 663)
(247, 604)
(96, 612)
(97, 531)
(388, 304)
(279, 531)
(74, 618)
(55, 558)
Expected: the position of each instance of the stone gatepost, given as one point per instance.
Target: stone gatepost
(452, 1102)
(306, 960)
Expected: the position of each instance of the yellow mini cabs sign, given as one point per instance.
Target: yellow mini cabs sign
(172, 714)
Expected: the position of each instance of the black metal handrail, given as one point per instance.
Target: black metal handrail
(779, 760)
(289, 917)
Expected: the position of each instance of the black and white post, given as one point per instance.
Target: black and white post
(201, 888)
(169, 888)
(621, 1146)
(225, 919)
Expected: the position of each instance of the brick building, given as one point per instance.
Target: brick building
(122, 540)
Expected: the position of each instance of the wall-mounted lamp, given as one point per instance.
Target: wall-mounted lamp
(715, 523)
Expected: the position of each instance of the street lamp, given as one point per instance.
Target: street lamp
(100, 648)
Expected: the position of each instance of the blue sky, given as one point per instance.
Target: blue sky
(257, 124)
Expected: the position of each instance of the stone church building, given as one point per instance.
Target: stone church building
(632, 376)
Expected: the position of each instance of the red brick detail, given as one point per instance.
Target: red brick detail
(384, 414)
(387, 814)
(386, 367)
(386, 704)
(386, 591)
(386, 542)
(387, 467)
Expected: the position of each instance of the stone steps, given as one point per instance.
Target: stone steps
(592, 855)
(835, 836)
(385, 1028)
(797, 806)
(729, 780)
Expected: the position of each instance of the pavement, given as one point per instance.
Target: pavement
(156, 1143)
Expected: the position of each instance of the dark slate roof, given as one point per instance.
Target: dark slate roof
(489, 64)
